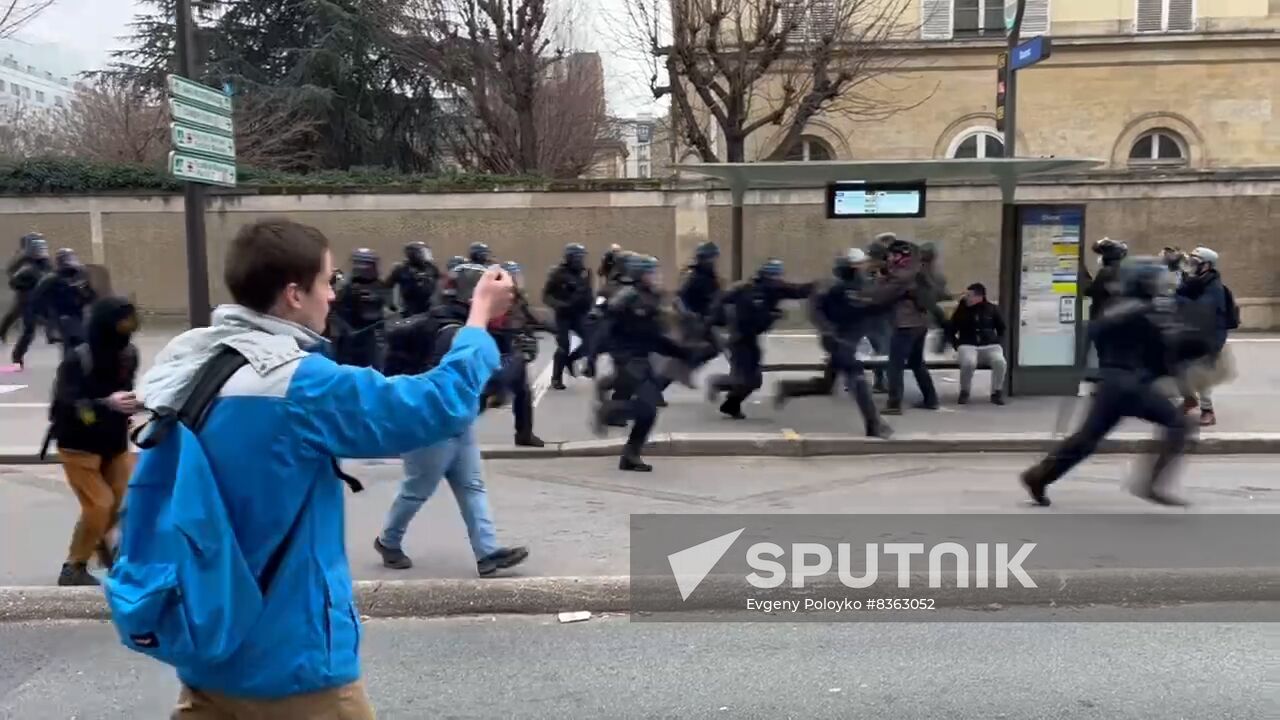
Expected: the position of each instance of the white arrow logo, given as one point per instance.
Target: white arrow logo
(691, 565)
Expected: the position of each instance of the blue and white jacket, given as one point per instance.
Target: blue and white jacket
(270, 437)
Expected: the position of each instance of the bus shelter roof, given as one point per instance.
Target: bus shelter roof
(772, 175)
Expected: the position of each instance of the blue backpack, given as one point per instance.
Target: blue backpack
(180, 590)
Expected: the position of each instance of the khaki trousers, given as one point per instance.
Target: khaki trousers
(345, 703)
(99, 484)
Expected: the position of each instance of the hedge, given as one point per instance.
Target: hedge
(70, 176)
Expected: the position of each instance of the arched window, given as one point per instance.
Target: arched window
(810, 149)
(1159, 147)
(977, 143)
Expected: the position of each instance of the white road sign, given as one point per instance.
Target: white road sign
(191, 114)
(190, 139)
(202, 170)
(185, 89)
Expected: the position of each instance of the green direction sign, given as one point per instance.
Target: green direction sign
(203, 142)
(184, 89)
(1010, 14)
(202, 170)
(183, 112)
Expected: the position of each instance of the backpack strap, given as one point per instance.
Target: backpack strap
(208, 383)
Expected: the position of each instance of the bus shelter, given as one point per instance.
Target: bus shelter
(1042, 246)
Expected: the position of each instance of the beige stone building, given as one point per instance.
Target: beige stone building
(1138, 83)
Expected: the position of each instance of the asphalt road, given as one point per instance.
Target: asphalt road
(514, 667)
(1251, 403)
(575, 514)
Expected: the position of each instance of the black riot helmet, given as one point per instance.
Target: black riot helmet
(575, 255)
(771, 270)
(848, 265)
(36, 248)
(479, 254)
(24, 242)
(707, 252)
(1110, 250)
(463, 281)
(364, 264)
(639, 266)
(417, 253)
(65, 259)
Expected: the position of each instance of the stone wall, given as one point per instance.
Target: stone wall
(140, 239)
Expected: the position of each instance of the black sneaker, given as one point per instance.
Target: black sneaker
(558, 385)
(529, 440)
(633, 464)
(997, 398)
(882, 431)
(735, 413)
(392, 558)
(892, 410)
(76, 575)
(964, 398)
(501, 560)
(1033, 481)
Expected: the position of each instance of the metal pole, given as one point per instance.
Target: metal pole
(194, 194)
(1011, 87)
(739, 262)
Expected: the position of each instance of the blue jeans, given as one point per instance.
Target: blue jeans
(458, 461)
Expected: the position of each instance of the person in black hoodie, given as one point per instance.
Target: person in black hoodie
(92, 402)
(976, 330)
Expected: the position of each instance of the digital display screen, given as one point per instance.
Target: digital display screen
(875, 200)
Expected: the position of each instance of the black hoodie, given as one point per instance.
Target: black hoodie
(79, 413)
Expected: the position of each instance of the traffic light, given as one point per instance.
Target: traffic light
(1002, 78)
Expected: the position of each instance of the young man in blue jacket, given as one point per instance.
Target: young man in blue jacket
(271, 437)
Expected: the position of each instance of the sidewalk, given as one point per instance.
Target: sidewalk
(574, 514)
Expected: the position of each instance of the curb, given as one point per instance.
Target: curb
(796, 445)
(614, 594)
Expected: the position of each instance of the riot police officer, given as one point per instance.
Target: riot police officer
(25, 271)
(842, 316)
(635, 332)
(415, 279)
(518, 346)
(361, 303)
(61, 296)
(1140, 339)
(696, 303)
(568, 293)
(479, 254)
(750, 310)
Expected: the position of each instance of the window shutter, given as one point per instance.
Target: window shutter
(1035, 19)
(935, 19)
(1182, 16)
(822, 19)
(1149, 16)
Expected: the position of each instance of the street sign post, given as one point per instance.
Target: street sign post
(1030, 52)
(192, 139)
(184, 89)
(193, 168)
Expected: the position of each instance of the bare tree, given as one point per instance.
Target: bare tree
(517, 104)
(739, 66)
(273, 136)
(112, 121)
(16, 13)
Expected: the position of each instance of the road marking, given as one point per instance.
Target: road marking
(542, 383)
(789, 434)
(23, 406)
(11, 388)
(1253, 340)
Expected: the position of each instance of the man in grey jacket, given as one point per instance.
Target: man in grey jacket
(900, 289)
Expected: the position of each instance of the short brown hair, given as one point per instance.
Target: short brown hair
(268, 256)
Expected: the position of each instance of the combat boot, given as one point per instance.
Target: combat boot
(76, 575)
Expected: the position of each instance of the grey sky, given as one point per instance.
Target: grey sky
(92, 28)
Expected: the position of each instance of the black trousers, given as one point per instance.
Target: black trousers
(841, 360)
(906, 350)
(745, 375)
(567, 323)
(70, 330)
(522, 399)
(1119, 396)
(635, 399)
